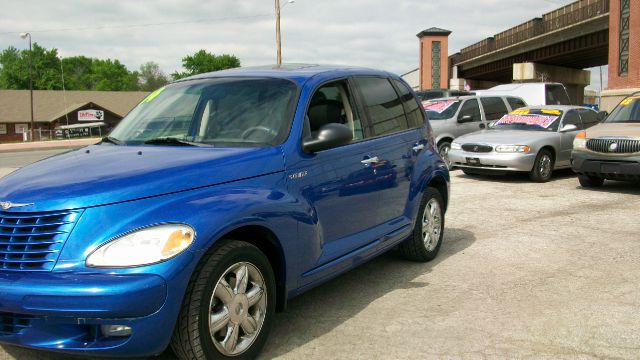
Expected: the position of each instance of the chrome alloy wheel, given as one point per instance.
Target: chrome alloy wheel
(237, 309)
(444, 154)
(545, 166)
(431, 224)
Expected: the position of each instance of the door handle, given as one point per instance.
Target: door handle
(371, 160)
(418, 147)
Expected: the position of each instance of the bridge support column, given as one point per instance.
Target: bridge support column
(575, 80)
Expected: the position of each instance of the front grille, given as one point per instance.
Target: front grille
(11, 324)
(623, 146)
(477, 148)
(32, 241)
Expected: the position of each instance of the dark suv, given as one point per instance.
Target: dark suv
(217, 199)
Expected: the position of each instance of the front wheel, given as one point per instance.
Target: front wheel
(542, 167)
(425, 242)
(229, 305)
(443, 150)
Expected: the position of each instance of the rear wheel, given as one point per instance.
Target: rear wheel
(229, 305)
(543, 167)
(590, 181)
(425, 242)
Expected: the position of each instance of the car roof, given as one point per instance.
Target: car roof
(297, 72)
(465, 97)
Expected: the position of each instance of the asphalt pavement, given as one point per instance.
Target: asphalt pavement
(526, 270)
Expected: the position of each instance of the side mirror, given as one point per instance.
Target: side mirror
(602, 115)
(568, 127)
(465, 119)
(329, 136)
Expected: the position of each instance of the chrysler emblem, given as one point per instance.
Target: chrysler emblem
(613, 147)
(6, 205)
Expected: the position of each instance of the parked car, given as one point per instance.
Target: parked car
(611, 149)
(455, 116)
(440, 93)
(532, 93)
(213, 202)
(535, 139)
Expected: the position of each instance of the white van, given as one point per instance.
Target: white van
(532, 93)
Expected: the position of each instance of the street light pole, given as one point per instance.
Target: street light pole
(279, 49)
(32, 127)
(278, 44)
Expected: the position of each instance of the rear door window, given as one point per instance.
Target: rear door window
(572, 118)
(415, 115)
(383, 106)
(589, 117)
(494, 108)
(515, 102)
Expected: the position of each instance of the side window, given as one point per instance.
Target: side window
(572, 117)
(471, 108)
(589, 118)
(332, 103)
(515, 102)
(386, 115)
(494, 108)
(556, 95)
(415, 114)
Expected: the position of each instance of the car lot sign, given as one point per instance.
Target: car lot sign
(90, 115)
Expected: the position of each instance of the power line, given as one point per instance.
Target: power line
(103, 27)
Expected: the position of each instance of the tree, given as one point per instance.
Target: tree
(80, 72)
(150, 77)
(111, 75)
(14, 68)
(203, 61)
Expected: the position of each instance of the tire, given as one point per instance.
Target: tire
(203, 299)
(443, 151)
(590, 181)
(417, 247)
(542, 167)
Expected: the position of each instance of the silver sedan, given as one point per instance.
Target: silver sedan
(535, 139)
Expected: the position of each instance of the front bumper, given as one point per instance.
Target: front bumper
(493, 161)
(608, 167)
(64, 311)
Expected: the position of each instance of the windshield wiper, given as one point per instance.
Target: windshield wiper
(109, 139)
(171, 141)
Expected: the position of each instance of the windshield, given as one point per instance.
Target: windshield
(440, 109)
(627, 111)
(214, 112)
(530, 119)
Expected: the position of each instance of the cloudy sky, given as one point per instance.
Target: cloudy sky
(379, 34)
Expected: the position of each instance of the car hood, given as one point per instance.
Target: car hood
(104, 174)
(515, 137)
(614, 129)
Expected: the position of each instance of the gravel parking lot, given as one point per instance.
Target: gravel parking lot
(526, 270)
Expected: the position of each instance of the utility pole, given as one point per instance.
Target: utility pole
(278, 45)
(32, 128)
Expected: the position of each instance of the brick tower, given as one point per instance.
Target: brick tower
(434, 58)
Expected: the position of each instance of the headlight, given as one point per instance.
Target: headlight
(455, 146)
(580, 141)
(143, 247)
(513, 148)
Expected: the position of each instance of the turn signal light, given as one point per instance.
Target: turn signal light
(581, 135)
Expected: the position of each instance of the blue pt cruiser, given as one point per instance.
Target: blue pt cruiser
(217, 199)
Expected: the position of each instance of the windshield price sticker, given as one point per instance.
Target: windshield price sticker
(153, 95)
(437, 106)
(520, 112)
(551, 112)
(628, 101)
(544, 121)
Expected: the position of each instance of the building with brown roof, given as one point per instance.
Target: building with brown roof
(57, 110)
